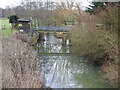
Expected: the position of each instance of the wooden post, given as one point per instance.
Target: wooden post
(69, 46)
(65, 45)
(64, 40)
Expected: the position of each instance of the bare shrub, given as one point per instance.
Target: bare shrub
(101, 43)
(20, 66)
(110, 73)
(109, 18)
(89, 40)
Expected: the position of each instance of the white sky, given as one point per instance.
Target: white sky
(4, 3)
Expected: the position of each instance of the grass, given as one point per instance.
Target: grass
(7, 32)
(5, 27)
(4, 24)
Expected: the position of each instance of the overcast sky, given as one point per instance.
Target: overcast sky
(4, 3)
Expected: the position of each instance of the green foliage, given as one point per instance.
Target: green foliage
(95, 6)
(13, 18)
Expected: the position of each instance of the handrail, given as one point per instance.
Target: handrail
(52, 28)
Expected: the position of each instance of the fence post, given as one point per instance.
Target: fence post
(63, 39)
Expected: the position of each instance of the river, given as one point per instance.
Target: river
(64, 70)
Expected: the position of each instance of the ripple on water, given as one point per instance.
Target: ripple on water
(68, 71)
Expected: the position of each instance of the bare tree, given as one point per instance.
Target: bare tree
(41, 12)
(65, 11)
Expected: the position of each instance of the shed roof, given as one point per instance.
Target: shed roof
(23, 20)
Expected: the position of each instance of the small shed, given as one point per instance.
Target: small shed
(23, 24)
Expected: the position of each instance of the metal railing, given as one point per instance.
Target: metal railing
(52, 28)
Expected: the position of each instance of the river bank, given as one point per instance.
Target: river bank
(102, 48)
(19, 64)
(99, 43)
(21, 68)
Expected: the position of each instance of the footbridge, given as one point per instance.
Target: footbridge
(52, 29)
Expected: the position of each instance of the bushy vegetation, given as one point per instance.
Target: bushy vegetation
(110, 73)
(96, 35)
(92, 43)
(20, 68)
(13, 18)
(31, 40)
(100, 42)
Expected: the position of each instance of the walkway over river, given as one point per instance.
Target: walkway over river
(53, 28)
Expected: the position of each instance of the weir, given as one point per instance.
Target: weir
(51, 29)
(54, 48)
(61, 69)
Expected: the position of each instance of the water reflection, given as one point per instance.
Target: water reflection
(65, 70)
(53, 45)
